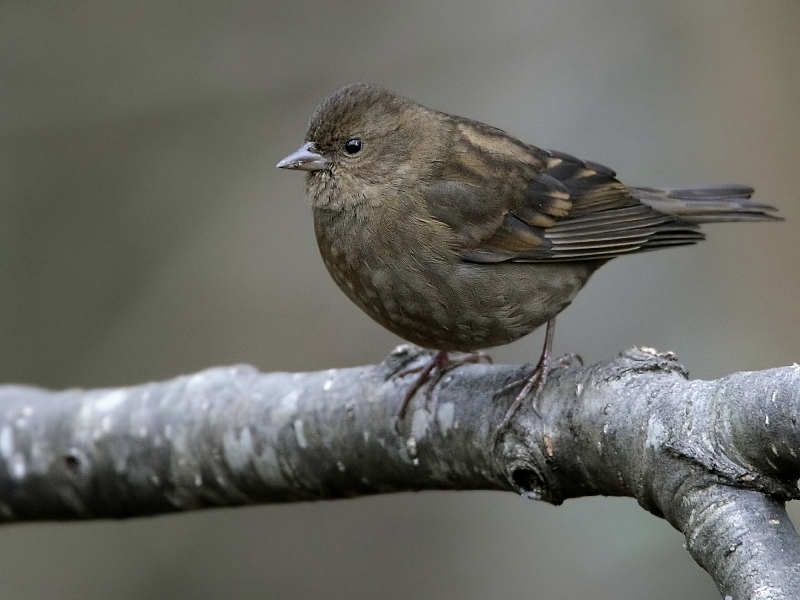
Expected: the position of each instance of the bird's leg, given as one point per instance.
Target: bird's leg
(431, 372)
(534, 382)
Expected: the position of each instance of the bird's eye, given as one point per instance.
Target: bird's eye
(353, 146)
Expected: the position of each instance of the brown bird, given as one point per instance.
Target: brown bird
(456, 236)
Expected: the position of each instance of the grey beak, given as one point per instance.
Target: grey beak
(305, 158)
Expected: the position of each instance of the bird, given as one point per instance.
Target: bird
(457, 236)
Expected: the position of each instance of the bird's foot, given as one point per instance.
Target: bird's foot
(431, 372)
(532, 384)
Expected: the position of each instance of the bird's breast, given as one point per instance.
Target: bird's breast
(405, 275)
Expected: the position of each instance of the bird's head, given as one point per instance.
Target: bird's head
(361, 137)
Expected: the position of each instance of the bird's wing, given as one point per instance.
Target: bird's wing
(547, 206)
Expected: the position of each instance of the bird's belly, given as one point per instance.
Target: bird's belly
(459, 306)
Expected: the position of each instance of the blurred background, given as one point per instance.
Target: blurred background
(145, 233)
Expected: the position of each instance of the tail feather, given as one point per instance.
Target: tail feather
(709, 204)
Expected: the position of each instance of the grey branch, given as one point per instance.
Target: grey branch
(717, 459)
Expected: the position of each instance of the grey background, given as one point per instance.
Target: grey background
(144, 233)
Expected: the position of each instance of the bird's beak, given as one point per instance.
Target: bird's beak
(305, 158)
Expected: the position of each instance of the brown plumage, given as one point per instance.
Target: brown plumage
(456, 236)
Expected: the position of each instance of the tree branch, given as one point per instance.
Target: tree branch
(717, 459)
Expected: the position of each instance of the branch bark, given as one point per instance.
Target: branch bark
(717, 459)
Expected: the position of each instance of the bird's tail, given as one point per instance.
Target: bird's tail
(710, 204)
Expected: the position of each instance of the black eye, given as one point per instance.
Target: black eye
(352, 146)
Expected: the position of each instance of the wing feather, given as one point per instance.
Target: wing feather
(514, 202)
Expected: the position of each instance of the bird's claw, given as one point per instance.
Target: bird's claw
(432, 372)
